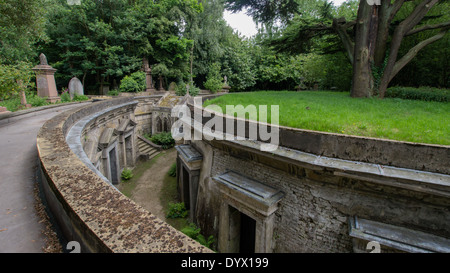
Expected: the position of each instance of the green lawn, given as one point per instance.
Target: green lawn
(336, 112)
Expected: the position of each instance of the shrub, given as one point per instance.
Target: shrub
(12, 104)
(139, 77)
(14, 78)
(213, 79)
(127, 174)
(113, 93)
(173, 170)
(77, 97)
(129, 85)
(173, 86)
(421, 93)
(35, 100)
(194, 232)
(177, 210)
(164, 139)
(65, 96)
(181, 89)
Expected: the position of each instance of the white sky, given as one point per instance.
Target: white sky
(245, 25)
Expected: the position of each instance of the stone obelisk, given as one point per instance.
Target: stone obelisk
(45, 80)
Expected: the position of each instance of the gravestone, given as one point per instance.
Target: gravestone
(75, 87)
(4, 110)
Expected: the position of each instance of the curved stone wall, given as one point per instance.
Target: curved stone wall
(87, 208)
(416, 156)
(319, 192)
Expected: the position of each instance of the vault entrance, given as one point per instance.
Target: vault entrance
(242, 232)
(189, 162)
(248, 233)
(113, 166)
(246, 214)
(186, 188)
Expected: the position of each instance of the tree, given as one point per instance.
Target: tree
(367, 40)
(214, 80)
(21, 26)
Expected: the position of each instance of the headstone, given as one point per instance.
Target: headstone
(45, 80)
(4, 110)
(75, 87)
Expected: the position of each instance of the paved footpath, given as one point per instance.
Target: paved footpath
(20, 230)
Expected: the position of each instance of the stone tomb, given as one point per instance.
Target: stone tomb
(247, 214)
(75, 87)
(189, 162)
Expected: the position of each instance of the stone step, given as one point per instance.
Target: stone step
(145, 148)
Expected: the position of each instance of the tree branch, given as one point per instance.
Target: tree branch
(428, 27)
(341, 29)
(413, 52)
(417, 15)
(394, 8)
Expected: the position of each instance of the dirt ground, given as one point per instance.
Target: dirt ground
(148, 188)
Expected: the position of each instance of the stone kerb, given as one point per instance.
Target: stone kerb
(415, 156)
(87, 208)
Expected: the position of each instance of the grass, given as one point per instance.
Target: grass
(169, 194)
(336, 112)
(127, 186)
(13, 104)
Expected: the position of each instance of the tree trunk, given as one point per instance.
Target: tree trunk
(192, 63)
(362, 83)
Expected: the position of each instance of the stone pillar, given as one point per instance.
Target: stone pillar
(45, 80)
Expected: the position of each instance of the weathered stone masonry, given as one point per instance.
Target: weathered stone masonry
(318, 192)
(87, 208)
(323, 195)
(314, 213)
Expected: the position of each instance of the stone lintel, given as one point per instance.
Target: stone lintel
(254, 194)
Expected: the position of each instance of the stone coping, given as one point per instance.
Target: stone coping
(90, 209)
(420, 181)
(408, 155)
(398, 237)
(8, 117)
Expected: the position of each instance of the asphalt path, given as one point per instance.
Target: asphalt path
(20, 227)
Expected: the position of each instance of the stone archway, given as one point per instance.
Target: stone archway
(166, 125)
(159, 126)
